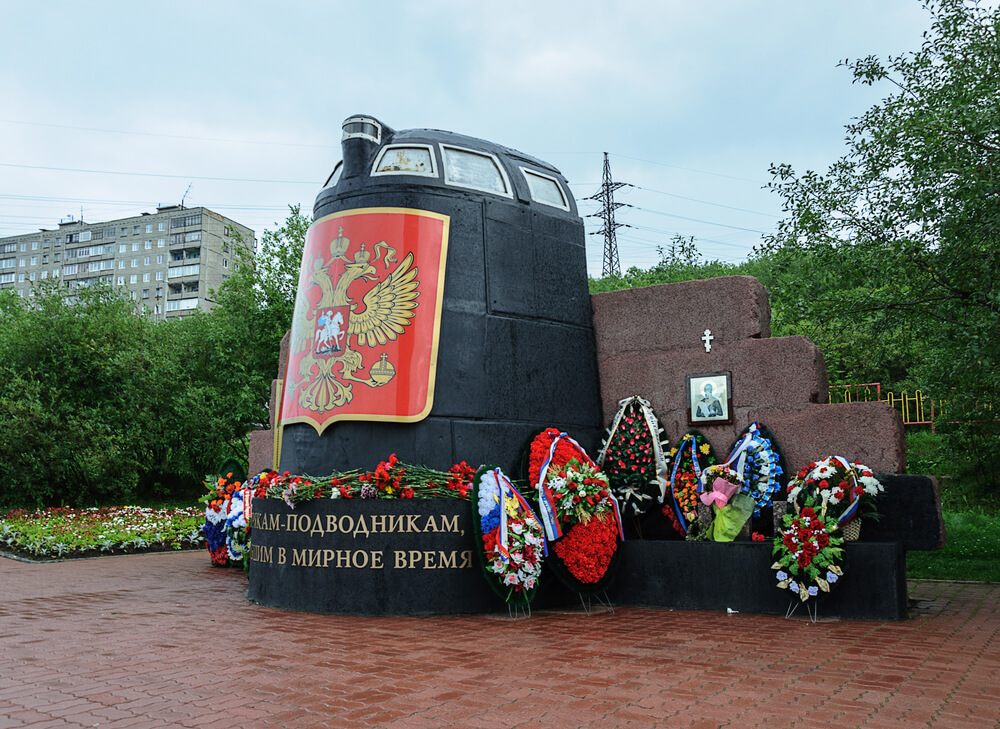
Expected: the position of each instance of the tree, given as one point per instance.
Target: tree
(254, 310)
(70, 389)
(907, 223)
(679, 261)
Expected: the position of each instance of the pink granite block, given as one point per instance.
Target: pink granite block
(765, 372)
(283, 354)
(675, 316)
(868, 432)
(261, 451)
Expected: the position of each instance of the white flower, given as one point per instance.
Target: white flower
(871, 485)
(782, 575)
(794, 587)
(813, 590)
(830, 577)
(214, 517)
(825, 470)
(489, 495)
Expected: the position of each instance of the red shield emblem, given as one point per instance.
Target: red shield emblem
(367, 317)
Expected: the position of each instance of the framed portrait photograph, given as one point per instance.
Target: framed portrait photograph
(710, 398)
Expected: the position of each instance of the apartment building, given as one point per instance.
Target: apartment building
(169, 260)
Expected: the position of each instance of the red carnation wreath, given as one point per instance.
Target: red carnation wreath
(578, 510)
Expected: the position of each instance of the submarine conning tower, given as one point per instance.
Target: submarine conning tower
(443, 311)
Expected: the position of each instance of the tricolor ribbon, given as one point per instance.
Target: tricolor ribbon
(751, 442)
(507, 490)
(550, 519)
(692, 440)
(855, 500)
(547, 504)
(247, 494)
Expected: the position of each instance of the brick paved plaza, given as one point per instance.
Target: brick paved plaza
(165, 640)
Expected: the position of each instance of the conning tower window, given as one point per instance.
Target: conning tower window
(334, 177)
(545, 189)
(408, 159)
(475, 170)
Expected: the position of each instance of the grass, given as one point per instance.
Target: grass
(61, 533)
(971, 552)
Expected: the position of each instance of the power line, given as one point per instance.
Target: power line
(169, 136)
(155, 174)
(697, 220)
(691, 169)
(704, 202)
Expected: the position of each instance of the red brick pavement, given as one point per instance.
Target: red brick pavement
(167, 641)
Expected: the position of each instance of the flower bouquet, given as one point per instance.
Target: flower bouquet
(632, 457)
(395, 479)
(238, 512)
(721, 488)
(509, 537)
(846, 490)
(220, 493)
(756, 458)
(578, 510)
(688, 460)
(391, 479)
(807, 552)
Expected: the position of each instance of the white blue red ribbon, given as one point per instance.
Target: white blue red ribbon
(507, 489)
(751, 442)
(689, 438)
(855, 500)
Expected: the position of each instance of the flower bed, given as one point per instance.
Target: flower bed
(61, 533)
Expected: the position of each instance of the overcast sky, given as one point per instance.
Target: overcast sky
(115, 107)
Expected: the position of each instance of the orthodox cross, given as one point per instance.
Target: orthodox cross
(707, 339)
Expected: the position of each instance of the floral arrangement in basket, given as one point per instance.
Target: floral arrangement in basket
(580, 515)
(391, 479)
(510, 540)
(755, 457)
(847, 490)
(632, 457)
(721, 488)
(688, 460)
(807, 551)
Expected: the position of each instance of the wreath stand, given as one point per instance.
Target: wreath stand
(810, 610)
(587, 601)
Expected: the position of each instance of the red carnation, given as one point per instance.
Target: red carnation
(587, 548)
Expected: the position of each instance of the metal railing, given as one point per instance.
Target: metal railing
(915, 407)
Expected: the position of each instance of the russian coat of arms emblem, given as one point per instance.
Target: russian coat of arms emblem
(367, 318)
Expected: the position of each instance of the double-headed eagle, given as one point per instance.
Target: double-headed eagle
(386, 311)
